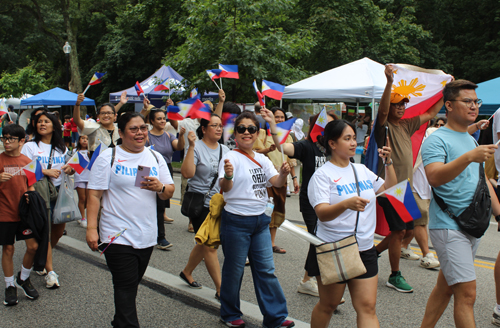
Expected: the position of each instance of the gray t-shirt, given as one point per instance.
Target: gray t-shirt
(206, 161)
(162, 144)
(13, 117)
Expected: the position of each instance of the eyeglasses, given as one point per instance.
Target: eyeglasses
(251, 129)
(216, 126)
(107, 113)
(400, 105)
(469, 102)
(9, 139)
(135, 129)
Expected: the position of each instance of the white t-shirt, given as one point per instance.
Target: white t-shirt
(42, 151)
(249, 193)
(84, 177)
(331, 184)
(495, 130)
(190, 125)
(123, 204)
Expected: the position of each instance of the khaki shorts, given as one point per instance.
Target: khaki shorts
(423, 206)
(184, 183)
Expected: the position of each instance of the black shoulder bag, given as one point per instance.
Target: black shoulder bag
(193, 202)
(45, 187)
(475, 219)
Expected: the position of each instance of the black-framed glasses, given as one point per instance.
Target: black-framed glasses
(9, 139)
(469, 102)
(216, 126)
(135, 129)
(251, 129)
(107, 113)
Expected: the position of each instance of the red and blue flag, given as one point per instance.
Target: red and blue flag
(164, 85)
(98, 151)
(189, 107)
(193, 93)
(33, 171)
(228, 122)
(283, 129)
(204, 112)
(259, 94)
(272, 90)
(229, 71)
(173, 113)
(138, 88)
(78, 162)
(96, 78)
(214, 73)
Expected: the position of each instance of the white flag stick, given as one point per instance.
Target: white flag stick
(282, 155)
(88, 86)
(221, 82)
(215, 83)
(482, 125)
(497, 142)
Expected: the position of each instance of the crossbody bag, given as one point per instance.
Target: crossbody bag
(193, 202)
(45, 187)
(340, 260)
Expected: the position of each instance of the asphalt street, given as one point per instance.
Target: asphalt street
(85, 298)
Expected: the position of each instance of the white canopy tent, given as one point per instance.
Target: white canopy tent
(360, 81)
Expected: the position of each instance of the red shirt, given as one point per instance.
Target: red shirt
(74, 127)
(67, 129)
(11, 191)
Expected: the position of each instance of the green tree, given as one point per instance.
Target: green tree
(24, 80)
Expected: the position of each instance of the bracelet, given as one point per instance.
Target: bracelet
(294, 177)
(91, 227)
(274, 134)
(388, 164)
(162, 190)
(477, 127)
(228, 178)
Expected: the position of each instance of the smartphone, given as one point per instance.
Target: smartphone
(385, 135)
(142, 171)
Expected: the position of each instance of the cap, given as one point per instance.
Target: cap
(288, 115)
(396, 98)
(11, 107)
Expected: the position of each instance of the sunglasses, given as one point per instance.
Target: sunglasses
(251, 129)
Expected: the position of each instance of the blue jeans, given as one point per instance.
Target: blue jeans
(243, 236)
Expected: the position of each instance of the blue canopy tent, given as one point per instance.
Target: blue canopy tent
(55, 97)
(148, 85)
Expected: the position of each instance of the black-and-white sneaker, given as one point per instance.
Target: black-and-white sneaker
(10, 296)
(163, 244)
(27, 287)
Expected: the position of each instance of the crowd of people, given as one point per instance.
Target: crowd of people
(253, 172)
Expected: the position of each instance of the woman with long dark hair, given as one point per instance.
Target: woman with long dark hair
(127, 206)
(48, 146)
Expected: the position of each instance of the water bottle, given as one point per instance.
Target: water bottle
(269, 207)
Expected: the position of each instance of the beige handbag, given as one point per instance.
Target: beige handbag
(340, 261)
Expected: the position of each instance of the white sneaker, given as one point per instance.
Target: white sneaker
(496, 317)
(83, 223)
(309, 287)
(408, 254)
(429, 261)
(52, 280)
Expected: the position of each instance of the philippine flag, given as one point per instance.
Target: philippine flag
(165, 85)
(78, 162)
(228, 122)
(204, 112)
(319, 126)
(173, 113)
(259, 94)
(189, 107)
(97, 78)
(401, 198)
(229, 71)
(283, 130)
(98, 151)
(193, 93)
(272, 90)
(33, 171)
(214, 73)
(138, 88)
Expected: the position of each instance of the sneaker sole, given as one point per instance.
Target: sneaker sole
(410, 259)
(163, 247)
(430, 266)
(54, 286)
(10, 304)
(41, 273)
(25, 294)
(307, 292)
(388, 284)
(230, 325)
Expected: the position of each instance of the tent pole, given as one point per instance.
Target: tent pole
(374, 111)
(357, 107)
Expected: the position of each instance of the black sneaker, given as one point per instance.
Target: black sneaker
(10, 296)
(27, 287)
(163, 244)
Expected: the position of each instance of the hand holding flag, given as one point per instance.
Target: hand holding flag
(112, 238)
(96, 79)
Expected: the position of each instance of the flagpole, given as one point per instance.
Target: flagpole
(221, 82)
(282, 155)
(482, 125)
(215, 83)
(168, 88)
(88, 86)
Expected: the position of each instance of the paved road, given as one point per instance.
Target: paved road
(85, 298)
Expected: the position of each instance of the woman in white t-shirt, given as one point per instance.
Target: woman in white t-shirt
(127, 206)
(333, 194)
(49, 147)
(243, 177)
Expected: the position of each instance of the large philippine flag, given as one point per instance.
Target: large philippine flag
(164, 85)
(96, 78)
(138, 88)
(98, 151)
(214, 73)
(78, 162)
(272, 90)
(259, 94)
(33, 171)
(401, 198)
(283, 129)
(173, 113)
(319, 126)
(190, 106)
(228, 122)
(229, 71)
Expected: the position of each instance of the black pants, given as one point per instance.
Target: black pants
(127, 266)
(160, 210)
(311, 221)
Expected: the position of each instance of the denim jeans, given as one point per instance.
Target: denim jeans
(127, 266)
(242, 236)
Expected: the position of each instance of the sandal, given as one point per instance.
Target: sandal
(279, 250)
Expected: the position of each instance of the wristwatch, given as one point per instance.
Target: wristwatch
(162, 190)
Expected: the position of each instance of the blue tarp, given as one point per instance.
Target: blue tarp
(165, 72)
(55, 97)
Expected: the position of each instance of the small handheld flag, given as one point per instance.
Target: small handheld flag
(173, 113)
(319, 126)
(228, 122)
(189, 107)
(193, 93)
(96, 78)
(33, 171)
(78, 162)
(283, 130)
(403, 201)
(112, 238)
(272, 90)
(98, 151)
(204, 112)
(259, 94)
(138, 88)
(214, 74)
(164, 85)
(229, 71)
